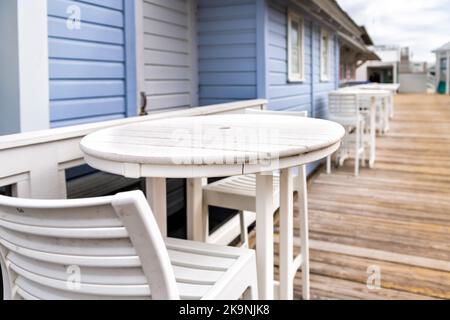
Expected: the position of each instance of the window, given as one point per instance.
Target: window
(324, 55)
(295, 47)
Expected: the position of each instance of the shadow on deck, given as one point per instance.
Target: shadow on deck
(395, 217)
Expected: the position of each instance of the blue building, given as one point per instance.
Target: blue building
(88, 61)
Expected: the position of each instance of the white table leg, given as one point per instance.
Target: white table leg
(264, 235)
(373, 132)
(157, 199)
(392, 107)
(304, 229)
(195, 229)
(286, 235)
(386, 102)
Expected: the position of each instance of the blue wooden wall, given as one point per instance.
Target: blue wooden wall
(227, 50)
(91, 68)
(282, 94)
(311, 94)
(321, 89)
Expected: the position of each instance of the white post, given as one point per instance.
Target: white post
(157, 198)
(447, 87)
(264, 235)
(373, 132)
(194, 208)
(24, 80)
(304, 229)
(286, 235)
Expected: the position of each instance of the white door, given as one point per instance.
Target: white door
(168, 57)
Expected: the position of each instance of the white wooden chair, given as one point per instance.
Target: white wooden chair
(382, 113)
(111, 248)
(239, 193)
(344, 108)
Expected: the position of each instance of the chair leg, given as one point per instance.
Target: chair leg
(244, 230)
(304, 231)
(357, 149)
(251, 293)
(329, 164)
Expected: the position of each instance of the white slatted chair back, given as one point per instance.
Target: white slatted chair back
(101, 248)
(343, 105)
(303, 114)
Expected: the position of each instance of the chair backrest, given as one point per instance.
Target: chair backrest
(343, 105)
(100, 248)
(303, 114)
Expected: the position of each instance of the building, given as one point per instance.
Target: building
(442, 70)
(413, 76)
(72, 62)
(396, 66)
(353, 53)
(384, 71)
(76, 62)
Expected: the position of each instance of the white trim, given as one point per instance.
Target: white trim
(25, 82)
(33, 65)
(140, 78)
(325, 75)
(292, 77)
(54, 151)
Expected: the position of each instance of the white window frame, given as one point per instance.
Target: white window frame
(296, 77)
(325, 74)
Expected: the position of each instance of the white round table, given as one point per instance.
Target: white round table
(380, 109)
(215, 146)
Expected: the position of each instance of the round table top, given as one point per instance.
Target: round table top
(212, 142)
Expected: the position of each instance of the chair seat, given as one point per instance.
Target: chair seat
(202, 271)
(238, 193)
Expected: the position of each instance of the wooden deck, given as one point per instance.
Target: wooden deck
(395, 217)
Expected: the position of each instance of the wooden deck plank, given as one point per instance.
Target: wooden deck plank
(395, 216)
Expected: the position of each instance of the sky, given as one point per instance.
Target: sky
(422, 25)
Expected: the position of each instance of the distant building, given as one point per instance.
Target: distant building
(93, 61)
(396, 66)
(384, 71)
(442, 70)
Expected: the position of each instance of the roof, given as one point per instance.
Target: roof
(348, 30)
(366, 37)
(445, 47)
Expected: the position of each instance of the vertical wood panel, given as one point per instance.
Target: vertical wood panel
(228, 50)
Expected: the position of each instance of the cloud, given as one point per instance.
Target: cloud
(422, 25)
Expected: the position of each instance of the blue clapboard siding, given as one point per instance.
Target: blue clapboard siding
(323, 88)
(88, 67)
(227, 50)
(284, 95)
(311, 94)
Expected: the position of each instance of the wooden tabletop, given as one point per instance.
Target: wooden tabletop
(214, 141)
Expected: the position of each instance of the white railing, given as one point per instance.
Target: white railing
(34, 163)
